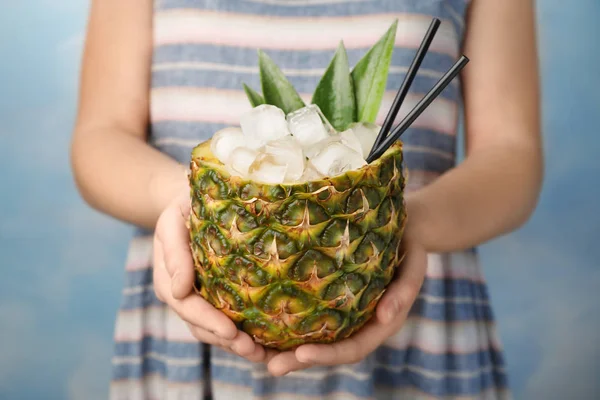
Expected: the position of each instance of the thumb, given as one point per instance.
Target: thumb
(182, 282)
(403, 291)
(173, 235)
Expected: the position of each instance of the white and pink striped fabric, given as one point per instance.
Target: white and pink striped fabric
(203, 51)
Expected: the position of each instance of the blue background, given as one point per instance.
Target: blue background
(62, 263)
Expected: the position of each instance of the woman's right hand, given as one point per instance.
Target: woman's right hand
(173, 285)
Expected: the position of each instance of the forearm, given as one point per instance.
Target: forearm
(492, 192)
(496, 188)
(119, 174)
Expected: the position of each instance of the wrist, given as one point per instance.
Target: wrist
(427, 222)
(416, 222)
(165, 186)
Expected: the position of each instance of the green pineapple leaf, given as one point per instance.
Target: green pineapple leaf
(254, 97)
(370, 76)
(276, 88)
(335, 92)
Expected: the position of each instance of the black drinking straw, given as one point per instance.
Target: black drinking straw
(406, 83)
(419, 108)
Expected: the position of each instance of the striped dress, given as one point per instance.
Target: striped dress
(203, 51)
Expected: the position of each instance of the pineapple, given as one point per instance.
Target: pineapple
(302, 262)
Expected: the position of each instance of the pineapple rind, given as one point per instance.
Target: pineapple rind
(296, 263)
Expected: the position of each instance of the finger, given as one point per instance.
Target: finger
(258, 354)
(402, 292)
(158, 268)
(173, 235)
(270, 354)
(284, 363)
(194, 309)
(348, 351)
(207, 337)
(242, 345)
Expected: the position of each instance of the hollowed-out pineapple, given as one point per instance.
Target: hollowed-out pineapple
(304, 262)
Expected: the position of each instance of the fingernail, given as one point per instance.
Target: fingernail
(304, 358)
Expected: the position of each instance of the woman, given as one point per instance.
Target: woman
(159, 78)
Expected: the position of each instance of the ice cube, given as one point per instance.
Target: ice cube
(240, 160)
(262, 124)
(349, 138)
(225, 141)
(265, 169)
(287, 151)
(310, 174)
(366, 133)
(308, 126)
(314, 149)
(337, 158)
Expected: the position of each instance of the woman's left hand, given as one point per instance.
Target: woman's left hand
(391, 313)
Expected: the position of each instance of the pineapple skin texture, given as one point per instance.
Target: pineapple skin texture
(293, 264)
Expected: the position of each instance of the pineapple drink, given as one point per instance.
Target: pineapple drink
(294, 235)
